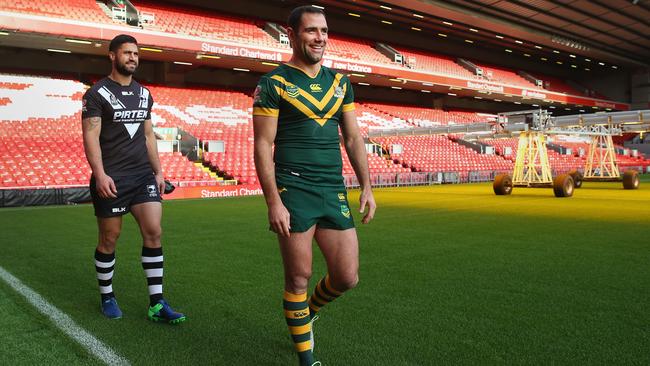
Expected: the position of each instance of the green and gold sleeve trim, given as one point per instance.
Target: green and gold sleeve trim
(349, 107)
(266, 112)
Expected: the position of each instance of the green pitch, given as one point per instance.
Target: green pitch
(449, 275)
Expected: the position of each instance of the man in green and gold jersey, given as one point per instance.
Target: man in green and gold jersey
(300, 106)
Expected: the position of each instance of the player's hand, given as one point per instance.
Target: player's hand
(105, 186)
(279, 219)
(160, 182)
(367, 199)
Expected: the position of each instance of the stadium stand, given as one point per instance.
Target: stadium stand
(564, 162)
(439, 154)
(581, 149)
(559, 85)
(354, 49)
(558, 162)
(504, 76)
(205, 24)
(427, 117)
(177, 20)
(437, 64)
(83, 10)
(226, 116)
(370, 118)
(44, 146)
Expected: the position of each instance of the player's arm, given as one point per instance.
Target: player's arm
(356, 150)
(152, 153)
(265, 128)
(92, 127)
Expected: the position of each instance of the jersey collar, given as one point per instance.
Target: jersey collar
(305, 72)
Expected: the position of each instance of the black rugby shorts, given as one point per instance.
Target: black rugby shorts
(131, 190)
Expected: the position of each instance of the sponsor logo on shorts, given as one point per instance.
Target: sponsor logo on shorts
(153, 192)
(345, 211)
(280, 190)
(341, 197)
(118, 209)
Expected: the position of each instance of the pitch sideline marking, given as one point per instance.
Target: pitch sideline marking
(62, 321)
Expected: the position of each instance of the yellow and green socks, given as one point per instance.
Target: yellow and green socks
(323, 294)
(296, 313)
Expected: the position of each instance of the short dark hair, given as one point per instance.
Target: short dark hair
(296, 15)
(120, 40)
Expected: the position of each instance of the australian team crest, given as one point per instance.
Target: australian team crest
(345, 211)
(293, 91)
(338, 92)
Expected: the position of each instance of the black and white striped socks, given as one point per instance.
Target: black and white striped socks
(152, 263)
(105, 266)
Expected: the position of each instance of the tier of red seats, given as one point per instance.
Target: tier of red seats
(229, 120)
(558, 162)
(178, 169)
(212, 115)
(369, 118)
(437, 64)
(581, 149)
(439, 154)
(426, 117)
(505, 76)
(48, 151)
(178, 20)
(83, 10)
(354, 49)
(559, 85)
(40, 152)
(376, 164)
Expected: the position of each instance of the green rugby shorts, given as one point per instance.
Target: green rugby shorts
(326, 207)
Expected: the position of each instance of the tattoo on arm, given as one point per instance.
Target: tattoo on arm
(91, 123)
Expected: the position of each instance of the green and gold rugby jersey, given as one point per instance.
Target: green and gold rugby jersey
(309, 110)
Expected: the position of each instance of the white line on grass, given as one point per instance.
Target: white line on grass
(64, 322)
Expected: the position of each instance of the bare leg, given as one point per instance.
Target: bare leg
(341, 251)
(296, 257)
(109, 231)
(148, 215)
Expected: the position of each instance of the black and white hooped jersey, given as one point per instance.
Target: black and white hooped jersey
(123, 110)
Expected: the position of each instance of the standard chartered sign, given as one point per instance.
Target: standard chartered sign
(241, 52)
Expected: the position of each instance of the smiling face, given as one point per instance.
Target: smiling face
(125, 59)
(310, 39)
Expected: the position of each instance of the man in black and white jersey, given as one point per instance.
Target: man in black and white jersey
(127, 177)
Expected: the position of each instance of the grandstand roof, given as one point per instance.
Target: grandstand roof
(617, 31)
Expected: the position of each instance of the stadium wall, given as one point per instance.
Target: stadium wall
(43, 197)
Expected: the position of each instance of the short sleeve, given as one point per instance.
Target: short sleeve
(348, 99)
(150, 105)
(91, 105)
(266, 101)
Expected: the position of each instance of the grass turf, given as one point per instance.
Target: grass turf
(449, 275)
